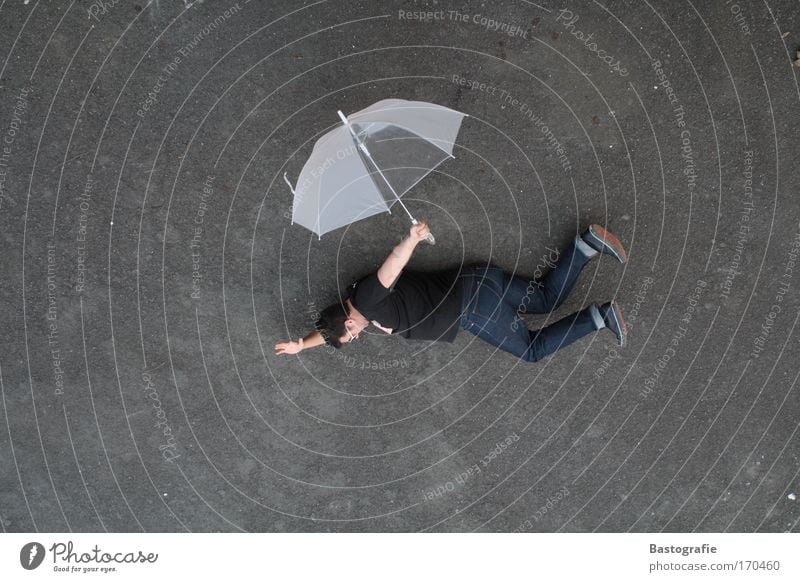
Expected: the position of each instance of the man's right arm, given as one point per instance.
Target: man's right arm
(394, 264)
(312, 340)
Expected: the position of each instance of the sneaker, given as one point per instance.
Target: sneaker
(604, 242)
(612, 317)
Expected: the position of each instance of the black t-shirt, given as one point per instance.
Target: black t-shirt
(419, 306)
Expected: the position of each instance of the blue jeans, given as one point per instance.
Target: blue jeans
(494, 300)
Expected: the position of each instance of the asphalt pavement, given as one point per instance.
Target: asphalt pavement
(150, 264)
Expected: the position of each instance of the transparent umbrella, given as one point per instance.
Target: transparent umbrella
(366, 165)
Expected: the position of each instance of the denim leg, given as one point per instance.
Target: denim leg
(531, 296)
(533, 345)
(490, 318)
(487, 315)
(562, 333)
(514, 339)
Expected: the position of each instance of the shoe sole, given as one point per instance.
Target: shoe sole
(620, 321)
(611, 242)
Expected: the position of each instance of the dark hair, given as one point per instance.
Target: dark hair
(330, 324)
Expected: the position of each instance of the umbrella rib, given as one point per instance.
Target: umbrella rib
(319, 220)
(294, 194)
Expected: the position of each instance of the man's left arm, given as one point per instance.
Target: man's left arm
(397, 260)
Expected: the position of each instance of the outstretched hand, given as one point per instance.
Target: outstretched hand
(420, 231)
(289, 347)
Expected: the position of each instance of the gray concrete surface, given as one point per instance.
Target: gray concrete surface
(149, 266)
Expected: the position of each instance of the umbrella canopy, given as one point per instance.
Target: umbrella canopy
(364, 166)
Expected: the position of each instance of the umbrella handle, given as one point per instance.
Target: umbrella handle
(430, 238)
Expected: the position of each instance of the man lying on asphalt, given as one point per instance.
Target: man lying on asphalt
(485, 301)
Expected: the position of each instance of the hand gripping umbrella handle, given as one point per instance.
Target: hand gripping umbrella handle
(429, 239)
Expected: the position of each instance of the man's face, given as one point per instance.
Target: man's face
(352, 330)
